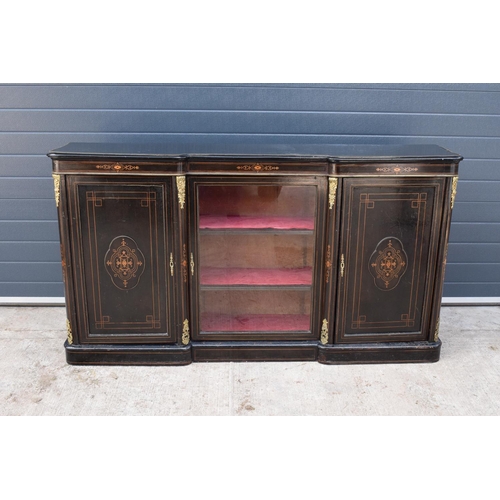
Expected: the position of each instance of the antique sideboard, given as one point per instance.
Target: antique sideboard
(179, 252)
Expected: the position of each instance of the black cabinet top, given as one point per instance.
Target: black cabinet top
(198, 150)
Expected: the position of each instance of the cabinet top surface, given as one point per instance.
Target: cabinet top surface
(180, 150)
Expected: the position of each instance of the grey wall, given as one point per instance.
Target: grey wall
(464, 118)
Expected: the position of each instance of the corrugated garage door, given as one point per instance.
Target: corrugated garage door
(464, 118)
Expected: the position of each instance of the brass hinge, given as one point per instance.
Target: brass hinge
(181, 189)
(185, 332)
(324, 332)
(171, 264)
(332, 191)
(57, 188)
(192, 264)
(70, 334)
(342, 266)
(453, 190)
(436, 332)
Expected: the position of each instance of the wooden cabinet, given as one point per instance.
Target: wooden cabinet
(172, 256)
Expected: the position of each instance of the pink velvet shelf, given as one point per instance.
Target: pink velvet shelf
(255, 323)
(214, 276)
(237, 222)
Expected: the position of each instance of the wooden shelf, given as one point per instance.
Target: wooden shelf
(209, 222)
(214, 276)
(211, 322)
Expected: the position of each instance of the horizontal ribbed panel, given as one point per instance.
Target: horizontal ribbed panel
(34, 119)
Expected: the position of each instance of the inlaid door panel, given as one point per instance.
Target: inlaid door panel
(122, 241)
(390, 230)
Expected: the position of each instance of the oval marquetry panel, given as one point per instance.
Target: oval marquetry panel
(388, 263)
(124, 262)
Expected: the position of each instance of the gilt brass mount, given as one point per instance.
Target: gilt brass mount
(436, 332)
(324, 332)
(185, 332)
(57, 188)
(181, 190)
(70, 334)
(453, 190)
(332, 191)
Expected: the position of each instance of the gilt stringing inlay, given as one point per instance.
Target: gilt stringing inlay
(388, 263)
(124, 262)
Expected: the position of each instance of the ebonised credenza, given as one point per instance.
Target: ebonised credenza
(179, 252)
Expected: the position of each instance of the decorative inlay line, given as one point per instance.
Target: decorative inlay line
(257, 167)
(181, 189)
(387, 263)
(328, 263)
(117, 167)
(63, 264)
(184, 264)
(396, 169)
(324, 332)
(332, 191)
(124, 262)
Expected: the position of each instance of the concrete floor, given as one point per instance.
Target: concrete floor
(35, 379)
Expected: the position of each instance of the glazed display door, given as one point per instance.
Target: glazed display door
(255, 253)
(390, 230)
(121, 245)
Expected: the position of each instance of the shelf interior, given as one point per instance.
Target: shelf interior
(255, 323)
(256, 250)
(236, 222)
(214, 276)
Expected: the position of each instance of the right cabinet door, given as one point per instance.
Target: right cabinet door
(389, 240)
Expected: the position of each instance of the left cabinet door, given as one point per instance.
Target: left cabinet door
(122, 250)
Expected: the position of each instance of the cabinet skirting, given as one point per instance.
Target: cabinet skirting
(113, 354)
(116, 354)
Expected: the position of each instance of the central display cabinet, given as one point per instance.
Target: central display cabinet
(257, 249)
(172, 257)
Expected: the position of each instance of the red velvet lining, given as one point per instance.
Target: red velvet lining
(237, 222)
(254, 322)
(237, 276)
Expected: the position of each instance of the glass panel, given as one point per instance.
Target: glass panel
(253, 310)
(256, 251)
(257, 207)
